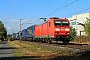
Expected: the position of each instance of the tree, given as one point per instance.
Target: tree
(72, 33)
(3, 31)
(87, 26)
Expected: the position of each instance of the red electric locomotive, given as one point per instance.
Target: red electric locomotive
(55, 29)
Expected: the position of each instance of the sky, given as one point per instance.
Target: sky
(11, 11)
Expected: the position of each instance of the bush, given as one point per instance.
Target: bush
(72, 33)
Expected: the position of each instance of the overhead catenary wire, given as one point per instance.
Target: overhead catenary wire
(56, 8)
(41, 11)
(69, 15)
(54, 11)
(63, 4)
(66, 6)
(26, 21)
(78, 12)
(60, 5)
(44, 7)
(61, 8)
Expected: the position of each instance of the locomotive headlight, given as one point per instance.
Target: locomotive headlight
(56, 32)
(67, 33)
(67, 29)
(57, 29)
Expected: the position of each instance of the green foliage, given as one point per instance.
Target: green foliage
(9, 36)
(72, 33)
(1, 26)
(87, 27)
(3, 31)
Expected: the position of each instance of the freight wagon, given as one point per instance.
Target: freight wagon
(27, 34)
(30, 33)
(18, 35)
(15, 36)
(24, 34)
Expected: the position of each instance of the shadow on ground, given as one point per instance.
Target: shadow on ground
(76, 44)
(78, 56)
(7, 48)
(71, 44)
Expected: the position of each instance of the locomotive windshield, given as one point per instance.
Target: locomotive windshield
(61, 23)
(57, 23)
(65, 23)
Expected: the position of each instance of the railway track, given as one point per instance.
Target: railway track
(70, 46)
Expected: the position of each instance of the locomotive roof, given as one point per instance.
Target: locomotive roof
(49, 19)
(41, 23)
(57, 18)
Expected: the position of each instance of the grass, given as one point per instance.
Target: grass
(30, 49)
(25, 48)
(37, 50)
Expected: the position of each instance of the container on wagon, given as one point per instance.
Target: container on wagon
(24, 34)
(18, 35)
(14, 35)
(30, 32)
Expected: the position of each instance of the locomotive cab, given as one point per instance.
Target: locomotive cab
(62, 29)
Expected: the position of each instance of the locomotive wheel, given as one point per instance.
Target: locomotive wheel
(49, 42)
(65, 42)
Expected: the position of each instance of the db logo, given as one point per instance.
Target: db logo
(62, 29)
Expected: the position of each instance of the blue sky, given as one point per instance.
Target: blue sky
(11, 11)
